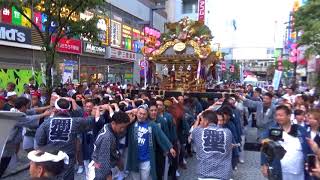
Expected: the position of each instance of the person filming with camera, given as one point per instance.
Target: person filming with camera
(292, 146)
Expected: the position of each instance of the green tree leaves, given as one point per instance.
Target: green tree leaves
(307, 21)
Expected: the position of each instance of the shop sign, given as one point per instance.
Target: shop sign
(6, 16)
(137, 43)
(16, 17)
(37, 18)
(151, 39)
(202, 10)
(115, 33)
(65, 45)
(24, 21)
(121, 54)
(44, 19)
(102, 24)
(15, 34)
(103, 35)
(94, 49)
(126, 37)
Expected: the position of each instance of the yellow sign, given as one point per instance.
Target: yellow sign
(107, 32)
(25, 21)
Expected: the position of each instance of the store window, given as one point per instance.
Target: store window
(189, 6)
(92, 74)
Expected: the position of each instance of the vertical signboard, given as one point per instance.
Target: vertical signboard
(136, 40)
(37, 18)
(126, 37)
(103, 26)
(107, 32)
(16, 17)
(202, 10)
(6, 15)
(115, 33)
(44, 20)
(151, 40)
(24, 21)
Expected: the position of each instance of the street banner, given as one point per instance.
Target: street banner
(202, 10)
(276, 79)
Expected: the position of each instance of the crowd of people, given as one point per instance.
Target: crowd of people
(106, 133)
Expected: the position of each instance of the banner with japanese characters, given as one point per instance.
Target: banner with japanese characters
(73, 46)
(115, 33)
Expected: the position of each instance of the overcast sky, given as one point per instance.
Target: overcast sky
(259, 23)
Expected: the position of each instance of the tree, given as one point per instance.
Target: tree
(64, 15)
(307, 21)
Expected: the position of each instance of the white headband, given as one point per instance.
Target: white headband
(57, 106)
(32, 156)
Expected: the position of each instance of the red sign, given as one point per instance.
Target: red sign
(202, 10)
(6, 15)
(72, 46)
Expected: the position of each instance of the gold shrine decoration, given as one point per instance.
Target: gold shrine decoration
(179, 47)
(185, 43)
(163, 48)
(196, 47)
(201, 52)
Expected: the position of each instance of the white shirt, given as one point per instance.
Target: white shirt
(290, 98)
(313, 135)
(292, 162)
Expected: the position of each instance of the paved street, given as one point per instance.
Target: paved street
(247, 171)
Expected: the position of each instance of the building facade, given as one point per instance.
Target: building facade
(116, 59)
